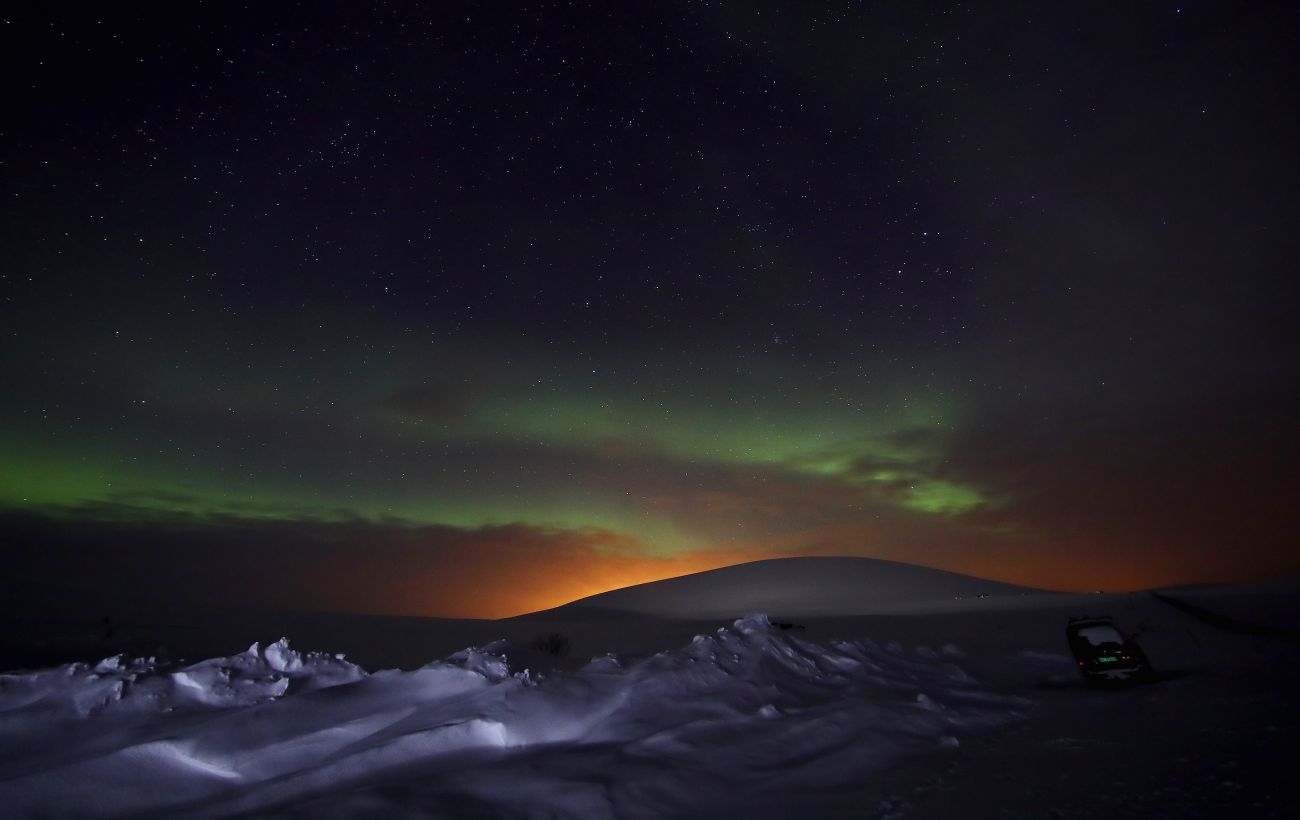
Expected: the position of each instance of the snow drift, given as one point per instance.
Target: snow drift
(738, 716)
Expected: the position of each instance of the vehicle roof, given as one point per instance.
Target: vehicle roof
(1089, 620)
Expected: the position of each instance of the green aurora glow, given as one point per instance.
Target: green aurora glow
(849, 443)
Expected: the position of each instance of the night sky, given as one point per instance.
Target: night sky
(473, 309)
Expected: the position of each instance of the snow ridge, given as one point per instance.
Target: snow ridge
(745, 711)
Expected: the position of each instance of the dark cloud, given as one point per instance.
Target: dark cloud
(1138, 501)
(92, 560)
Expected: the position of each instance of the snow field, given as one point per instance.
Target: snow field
(746, 710)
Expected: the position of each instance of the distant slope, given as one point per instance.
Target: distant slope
(795, 587)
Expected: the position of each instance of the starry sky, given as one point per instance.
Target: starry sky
(473, 309)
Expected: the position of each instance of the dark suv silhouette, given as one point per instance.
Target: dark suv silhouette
(1104, 654)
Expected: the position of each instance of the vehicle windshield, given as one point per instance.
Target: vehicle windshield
(1101, 634)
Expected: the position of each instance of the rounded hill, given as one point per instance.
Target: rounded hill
(797, 587)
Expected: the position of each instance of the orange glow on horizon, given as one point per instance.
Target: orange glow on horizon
(521, 588)
(503, 591)
(509, 571)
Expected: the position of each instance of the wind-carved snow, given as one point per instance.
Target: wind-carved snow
(746, 710)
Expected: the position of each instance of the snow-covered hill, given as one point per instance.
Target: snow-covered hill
(799, 587)
(948, 705)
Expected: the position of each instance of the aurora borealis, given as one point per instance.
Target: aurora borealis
(470, 312)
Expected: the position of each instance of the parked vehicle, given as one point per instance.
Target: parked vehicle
(1104, 654)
